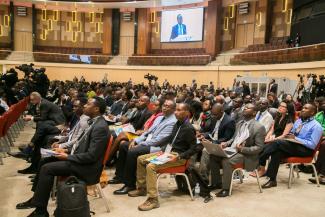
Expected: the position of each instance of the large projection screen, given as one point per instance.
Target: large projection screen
(184, 25)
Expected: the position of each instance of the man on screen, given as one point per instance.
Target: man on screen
(179, 28)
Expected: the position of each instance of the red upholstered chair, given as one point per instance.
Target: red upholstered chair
(240, 167)
(178, 171)
(294, 161)
(3, 140)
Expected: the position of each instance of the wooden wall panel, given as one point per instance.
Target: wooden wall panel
(210, 44)
(144, 32)
(23, 38)
(107, 31)
(213, 24)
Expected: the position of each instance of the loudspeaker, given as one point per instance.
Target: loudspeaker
(115, 31)
(136, 31)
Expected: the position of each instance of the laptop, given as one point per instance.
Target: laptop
(216, 149)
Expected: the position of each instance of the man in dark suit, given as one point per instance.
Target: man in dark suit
(142, 114)
(179, 28)
(247, 150)
(117, 106)
(223, 130)
(246, 89)
(49, 120)
(45, 111)
(84, 161)
(273, 87)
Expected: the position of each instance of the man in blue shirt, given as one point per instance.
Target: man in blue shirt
(179, 28)
(301, 142)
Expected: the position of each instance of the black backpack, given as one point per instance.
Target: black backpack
(72, 199)
(194, 177)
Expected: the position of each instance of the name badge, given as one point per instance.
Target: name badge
(168, 148)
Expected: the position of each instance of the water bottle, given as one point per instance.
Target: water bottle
(197, 190)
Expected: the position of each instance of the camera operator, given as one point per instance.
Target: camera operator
(320, 87)
(151, 78)
(35, 79)
(7, 82)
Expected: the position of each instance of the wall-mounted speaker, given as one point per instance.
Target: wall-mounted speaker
(115, 31)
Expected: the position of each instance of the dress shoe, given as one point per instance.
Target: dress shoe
(124, 190)
(18, 155)
(137, 193)
(25, 205)
(270, 184)
(214, 187)
(28, 170)
(321, 181)
(223, 193)
(32, 176)
(39, 213)
(26, 150)
(114, 181)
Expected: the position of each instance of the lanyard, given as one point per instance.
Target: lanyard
(179, 128)
(299, 128)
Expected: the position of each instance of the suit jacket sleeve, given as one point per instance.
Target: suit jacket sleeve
(162, 138)
(44, 111)
(191, 141)
(229, 132)
(98, 141)
(259, 141)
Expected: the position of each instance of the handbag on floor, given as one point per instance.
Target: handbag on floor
(72, 199)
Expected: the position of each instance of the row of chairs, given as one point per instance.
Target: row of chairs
(170, 60)
(304, 54)
(11, 123)
(292, 161)
(178, 52)
(275, 43)
(69, 50)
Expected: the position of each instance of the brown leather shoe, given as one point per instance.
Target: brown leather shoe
(149, 204)
(137, 193)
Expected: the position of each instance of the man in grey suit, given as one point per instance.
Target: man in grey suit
(149, 142)
(247, 151)
(84, 161)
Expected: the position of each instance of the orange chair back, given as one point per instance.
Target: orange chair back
(108, 149)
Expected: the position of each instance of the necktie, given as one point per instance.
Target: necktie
(258, 117)
(239, 135)
(75, 146)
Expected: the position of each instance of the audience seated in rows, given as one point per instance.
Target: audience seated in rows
(180, 120)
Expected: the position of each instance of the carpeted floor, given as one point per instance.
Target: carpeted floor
(302, 200)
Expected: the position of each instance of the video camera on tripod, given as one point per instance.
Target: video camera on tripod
(35, 79)
(151, 78)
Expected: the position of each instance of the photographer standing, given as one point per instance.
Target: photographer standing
(320, 87)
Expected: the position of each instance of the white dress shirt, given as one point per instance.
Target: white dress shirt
(265, 118)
